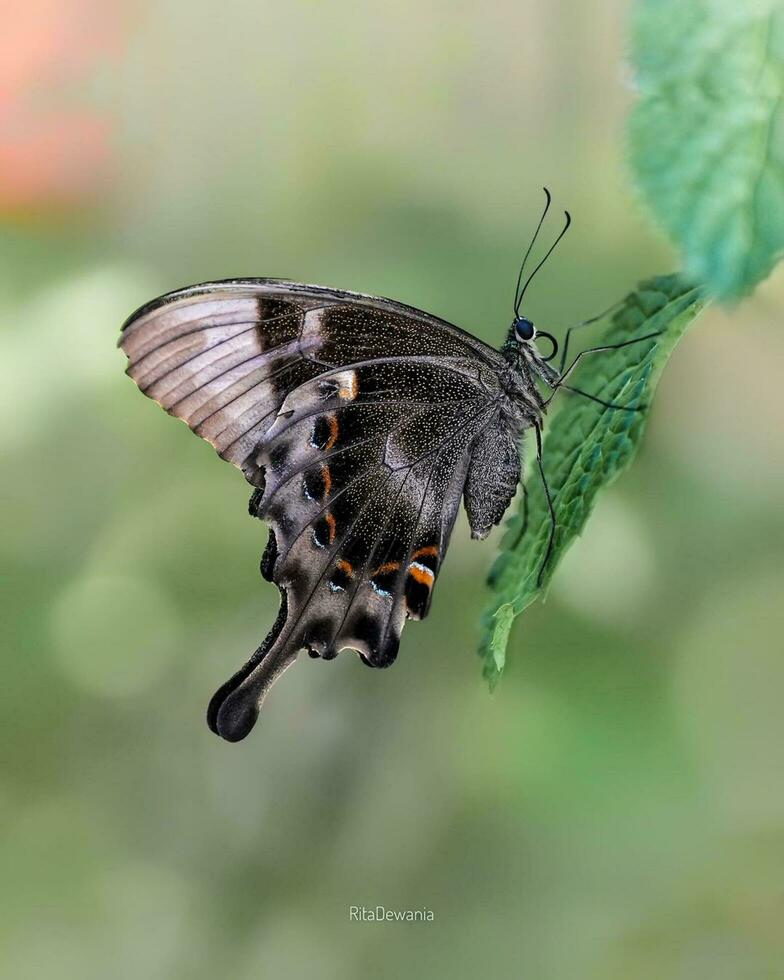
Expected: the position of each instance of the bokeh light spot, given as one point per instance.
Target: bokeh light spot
(728, 688)
(608, 574)
(114, 636)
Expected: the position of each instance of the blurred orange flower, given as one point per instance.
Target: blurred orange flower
(54, 136)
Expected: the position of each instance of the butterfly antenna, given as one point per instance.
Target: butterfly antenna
(546, 257)
(518, 295)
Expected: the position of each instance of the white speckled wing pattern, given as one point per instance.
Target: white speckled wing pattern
(354, 417)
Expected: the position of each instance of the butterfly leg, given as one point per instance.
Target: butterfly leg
(583, 323)
(524, 523)
(601, 401)
(550, 507)
(560, 381)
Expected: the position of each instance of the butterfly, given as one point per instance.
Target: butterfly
(361, 423)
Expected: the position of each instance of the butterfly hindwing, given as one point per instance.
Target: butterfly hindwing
(391, 475)
(357, 568)
(355, 418)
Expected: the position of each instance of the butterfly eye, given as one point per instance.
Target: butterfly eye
(524, 329)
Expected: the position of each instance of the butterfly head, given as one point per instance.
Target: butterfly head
(522, 349)
(522, 339)
(524, 330)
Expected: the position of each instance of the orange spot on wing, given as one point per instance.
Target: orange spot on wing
(421, 574)
(326, 476)
(331, 525)
(332, 422)
(346, 566)
(388, 566)
(431, 549)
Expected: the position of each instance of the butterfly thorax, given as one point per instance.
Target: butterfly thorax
(525, 367)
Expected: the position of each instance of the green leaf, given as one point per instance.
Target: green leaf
(707, 134)
(586, 447)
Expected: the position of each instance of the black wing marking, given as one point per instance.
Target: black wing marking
(355, 418)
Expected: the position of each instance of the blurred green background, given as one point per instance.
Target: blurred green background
(616, 808)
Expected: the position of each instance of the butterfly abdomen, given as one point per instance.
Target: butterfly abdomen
(493, 476)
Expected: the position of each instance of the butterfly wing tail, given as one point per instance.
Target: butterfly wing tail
(234, 708)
